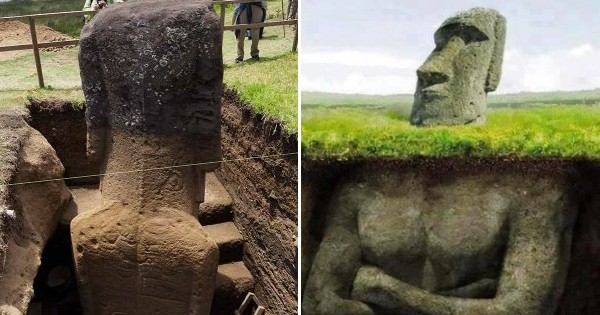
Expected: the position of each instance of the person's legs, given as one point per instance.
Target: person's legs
(257, 16)
(243, 19)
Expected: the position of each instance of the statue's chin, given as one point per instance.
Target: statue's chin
(429, 109)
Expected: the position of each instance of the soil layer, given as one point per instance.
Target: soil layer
(265, 199)
(63, 125)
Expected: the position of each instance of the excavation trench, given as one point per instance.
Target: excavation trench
(461, 184)
(249, 210)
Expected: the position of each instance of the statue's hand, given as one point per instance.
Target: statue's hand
(373, 285)
(331, 304)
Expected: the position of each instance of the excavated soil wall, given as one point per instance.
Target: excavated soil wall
(581, 180)
(265, 198)
(63, 125)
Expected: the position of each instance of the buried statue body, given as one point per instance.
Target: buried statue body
(439, 241)
(152, 75)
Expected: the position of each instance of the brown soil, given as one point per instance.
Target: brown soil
(265, 200)
(330, 167)
(17, 33)
(63, 124)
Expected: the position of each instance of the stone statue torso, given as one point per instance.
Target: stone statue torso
(432, 237)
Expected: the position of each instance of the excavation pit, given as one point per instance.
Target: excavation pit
(225, 214)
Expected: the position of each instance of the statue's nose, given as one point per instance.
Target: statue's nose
(438, 68)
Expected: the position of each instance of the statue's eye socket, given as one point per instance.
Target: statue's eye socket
(467, 33)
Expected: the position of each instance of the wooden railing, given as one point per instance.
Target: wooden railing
(35, 45)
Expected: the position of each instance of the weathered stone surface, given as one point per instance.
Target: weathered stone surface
(37, 209)
(154, 67)
(143, 262)
(466, 64)
(428, 242)
(152, 76)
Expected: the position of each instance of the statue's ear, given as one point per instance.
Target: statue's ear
(495, 70)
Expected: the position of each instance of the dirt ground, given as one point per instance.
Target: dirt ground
(16, 33)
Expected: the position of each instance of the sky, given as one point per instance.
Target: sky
(375, 46)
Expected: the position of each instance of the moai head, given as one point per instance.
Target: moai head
(154, 67)
(465, 65)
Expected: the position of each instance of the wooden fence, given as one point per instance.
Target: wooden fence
(35, 45)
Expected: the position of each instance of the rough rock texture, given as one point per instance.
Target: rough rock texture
(26, 156)
(154, 67)
(466, 64)
(432, 238)
(152, 76)
(265, 201)
(146, 262)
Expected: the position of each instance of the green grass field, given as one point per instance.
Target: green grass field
(566, 131)
(269, 85)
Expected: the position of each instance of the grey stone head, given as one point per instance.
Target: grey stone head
(465, 65)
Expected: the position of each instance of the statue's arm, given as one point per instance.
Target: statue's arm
(336, 262)
(532, 278)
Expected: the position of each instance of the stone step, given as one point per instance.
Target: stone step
(234, 281)
(217, 205)
(228, 239)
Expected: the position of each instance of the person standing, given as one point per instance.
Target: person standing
(95, 5)
(248, 13)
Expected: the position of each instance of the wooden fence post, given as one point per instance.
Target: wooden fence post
(222, 14)
(295, 45)
(36, 52)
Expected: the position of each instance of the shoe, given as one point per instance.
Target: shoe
(256, 58)
(239, 59)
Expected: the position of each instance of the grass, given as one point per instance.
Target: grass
(17, 98)
(273, 89)
(270, 85)
(61, 70)
(535, 131)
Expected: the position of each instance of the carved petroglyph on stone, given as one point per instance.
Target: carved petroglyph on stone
(152, 75)
(466, 64)
(153, 262)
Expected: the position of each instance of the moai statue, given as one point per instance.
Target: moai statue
(152, 75)
(453, 82)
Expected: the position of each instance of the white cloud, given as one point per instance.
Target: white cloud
(358, 83)
(355, 58)
(559, 70)
(582, 50)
